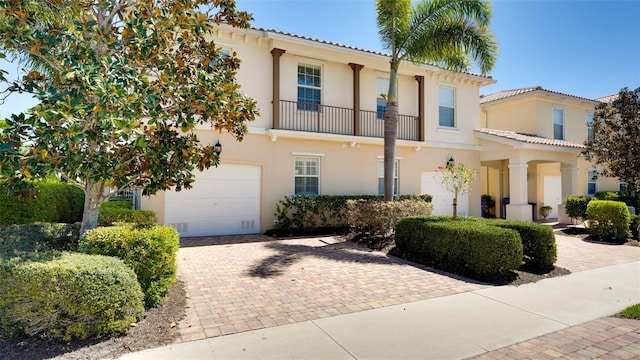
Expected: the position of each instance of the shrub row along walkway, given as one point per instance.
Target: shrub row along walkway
(239, 283)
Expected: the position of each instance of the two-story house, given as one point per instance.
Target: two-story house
(320, 131)
(531, 141)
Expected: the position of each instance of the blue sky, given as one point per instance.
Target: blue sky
(580, 47)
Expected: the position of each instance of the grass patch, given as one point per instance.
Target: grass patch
(632, 312)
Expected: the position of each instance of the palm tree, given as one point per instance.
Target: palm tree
(453, 34)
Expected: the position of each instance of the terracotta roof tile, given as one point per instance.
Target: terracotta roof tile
(528, 138)
(510, 93)
(607, 99)
(352, 48)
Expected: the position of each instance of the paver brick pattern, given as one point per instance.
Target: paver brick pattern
(241, 283)
(605, 338)
(236, 284)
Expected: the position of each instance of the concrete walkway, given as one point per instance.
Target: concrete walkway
(456, 326)
(561, 317)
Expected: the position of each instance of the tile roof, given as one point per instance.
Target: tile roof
(510, 93)
(528, 138)
(607, 99)
(301, 37)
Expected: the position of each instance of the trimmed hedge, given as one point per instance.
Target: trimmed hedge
(379, 218)
(635, 225)
(576, 207)
(609, 220)
(30, 238)
(538, 242)
(53, 202)
(150, 251)
(310, 214)
(114, 212)
(66, 296)
(470, 248)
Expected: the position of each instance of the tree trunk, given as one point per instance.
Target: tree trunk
(390, 133)
(455, 206)
(93, 198)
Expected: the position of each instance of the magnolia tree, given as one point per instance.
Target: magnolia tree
(122, 85)
(457, 179)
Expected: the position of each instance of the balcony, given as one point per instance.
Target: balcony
(336, 120)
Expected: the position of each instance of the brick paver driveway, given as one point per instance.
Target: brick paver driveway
(241, 283)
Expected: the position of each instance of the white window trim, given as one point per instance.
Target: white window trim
(396, 176)
(296, 175)
(313, 64)
(587, 122)
(564, 122)
(589, 180)
(455, 107)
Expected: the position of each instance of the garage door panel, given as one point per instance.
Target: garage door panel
(442, 199)
(223, 200)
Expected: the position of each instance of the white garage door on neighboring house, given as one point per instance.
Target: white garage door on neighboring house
(223, 201)
(442, 199)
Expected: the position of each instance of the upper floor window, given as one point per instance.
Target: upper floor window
(589, 125)
(592, 182)
(381, 178)
(447, 105)
(307, 175)
(558, 124)
(381, 98)
(309, 87)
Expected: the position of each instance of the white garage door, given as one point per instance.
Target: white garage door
(442, 199)
(223, 201)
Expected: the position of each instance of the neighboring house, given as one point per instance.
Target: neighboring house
(531, 139)
(320, 131)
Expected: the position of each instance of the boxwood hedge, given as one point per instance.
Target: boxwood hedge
(50, 201)
(538, 242)
(150, 251)
(67, 295)
(609, 220)
(470, 248)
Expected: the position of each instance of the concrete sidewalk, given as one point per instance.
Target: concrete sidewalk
(451, 327)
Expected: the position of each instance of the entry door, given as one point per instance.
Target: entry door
(552, 194)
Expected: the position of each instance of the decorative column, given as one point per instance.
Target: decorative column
(569, 174)
(420, 80)
(276, 53)
(356, 97)
(518, 207)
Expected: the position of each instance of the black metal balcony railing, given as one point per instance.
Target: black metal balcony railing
(338, 120)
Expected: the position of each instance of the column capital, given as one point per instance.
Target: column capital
(277, 52)
(356, 67)
(518, 165)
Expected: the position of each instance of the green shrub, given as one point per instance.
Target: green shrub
(51, 201)
(538, 242)
(150, 251)
(66, 296)
(113, 212)
(576, 207)
(612, 195)
(311, 214)
(471, 248)
(609, 220)
(30, 238)
(635, 225)
(379, 218)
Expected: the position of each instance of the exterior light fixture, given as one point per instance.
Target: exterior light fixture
(217, 147)
(451, 162)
